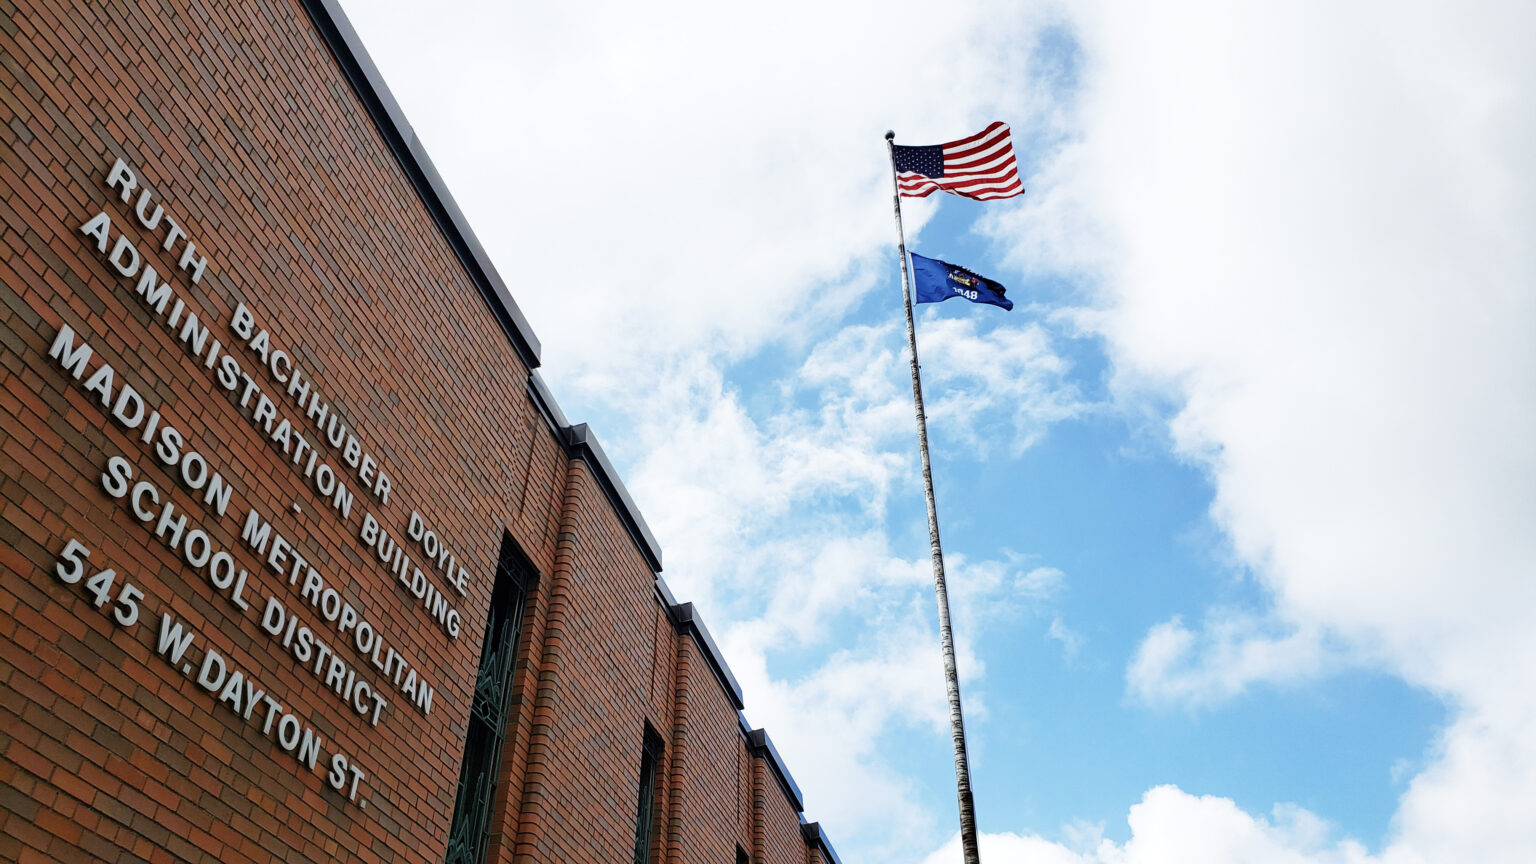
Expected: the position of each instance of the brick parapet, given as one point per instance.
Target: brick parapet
(240, 122)
(541, 729)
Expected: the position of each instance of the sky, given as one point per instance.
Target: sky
(1238, 503)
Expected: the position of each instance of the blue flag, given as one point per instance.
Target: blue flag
(937, 281)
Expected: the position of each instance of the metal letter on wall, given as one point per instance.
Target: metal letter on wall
(470, 832)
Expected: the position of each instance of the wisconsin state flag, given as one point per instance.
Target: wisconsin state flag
(937, 281)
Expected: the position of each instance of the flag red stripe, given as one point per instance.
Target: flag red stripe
(967, 181)
(966, 185)
(974, 189)
(1012, 190)
(985, 179)
(1001, 152)
(989, 171)
(979, 136)
(966, 188)
(959, 150)
(995, 170)
(1008, 191)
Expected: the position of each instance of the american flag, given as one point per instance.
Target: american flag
(980, 167)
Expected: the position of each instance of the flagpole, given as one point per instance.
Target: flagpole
(946, 636)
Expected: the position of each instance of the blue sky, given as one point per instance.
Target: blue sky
(1236, 502)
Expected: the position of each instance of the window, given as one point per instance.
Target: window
(741, 855)
(645, 810)
(468, 834)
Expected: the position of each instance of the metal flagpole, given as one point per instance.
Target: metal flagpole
(946, 637)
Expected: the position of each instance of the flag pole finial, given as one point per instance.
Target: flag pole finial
(890, 134)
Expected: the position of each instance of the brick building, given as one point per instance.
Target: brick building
(301, 560)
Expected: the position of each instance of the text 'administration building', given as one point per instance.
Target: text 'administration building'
(301, 561)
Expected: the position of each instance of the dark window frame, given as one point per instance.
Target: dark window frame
(490, 708)
(645, 804)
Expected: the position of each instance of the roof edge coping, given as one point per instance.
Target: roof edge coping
(544, 398)
(686, 616)
(812, 833)
(580, 440)
(664, 593)
(761, 743)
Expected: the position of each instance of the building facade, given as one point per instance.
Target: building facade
(302, 560)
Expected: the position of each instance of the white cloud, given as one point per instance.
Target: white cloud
(1474, 802)
(1071, 641)
(778, 529)
(1043, 582)
(887, 686)
(1319, 244)
(1308, 226)
(691, 174)
(1170, 826)
(1175, 665)
(1364, 404)
(1010, 371)
(775, 523)
(1008, 848)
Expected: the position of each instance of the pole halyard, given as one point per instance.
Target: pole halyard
(941, 592)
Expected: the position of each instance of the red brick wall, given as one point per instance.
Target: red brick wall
(782, 843)
(240, 123)
(744, 808)
(776, 836)
(594, 694)
(710, 830)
